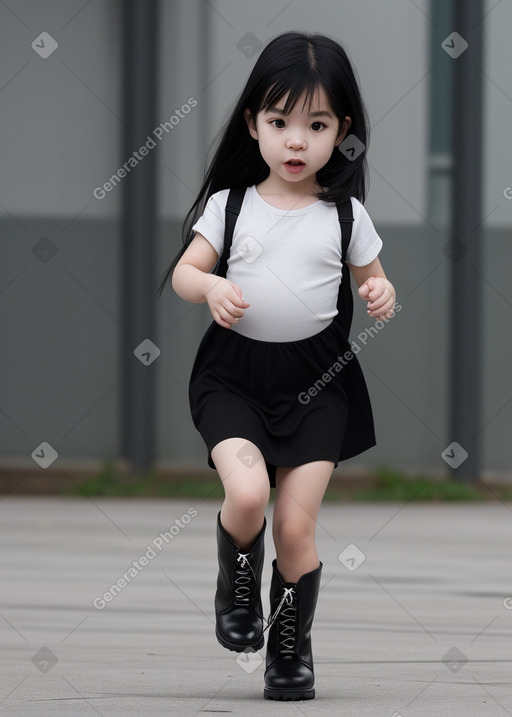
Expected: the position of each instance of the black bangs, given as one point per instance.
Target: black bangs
(296, 82)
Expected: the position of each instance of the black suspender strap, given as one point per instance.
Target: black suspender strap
(233, 206)
(345, 297)
(346, 218)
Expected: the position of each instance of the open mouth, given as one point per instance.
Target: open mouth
(295, 162)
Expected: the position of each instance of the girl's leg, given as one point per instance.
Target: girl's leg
(289, 670)
(243, 473)
(240, 544)
(299, 494)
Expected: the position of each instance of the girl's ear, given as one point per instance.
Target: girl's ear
(343, 130)
(251, 124)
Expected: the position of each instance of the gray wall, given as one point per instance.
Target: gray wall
(60, 371)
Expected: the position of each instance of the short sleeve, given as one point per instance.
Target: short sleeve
(365, 243)
(211, 223)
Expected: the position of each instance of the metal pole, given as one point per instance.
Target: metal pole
(465, 368)
(138, 231)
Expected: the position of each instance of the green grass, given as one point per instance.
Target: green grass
(110, 482)
(388, 485)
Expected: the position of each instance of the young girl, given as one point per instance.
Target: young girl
(275, 391)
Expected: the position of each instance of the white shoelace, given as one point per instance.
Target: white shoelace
(243, 593)
(243, 579)
(287, 628)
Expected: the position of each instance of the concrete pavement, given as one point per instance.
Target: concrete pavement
(106, 608)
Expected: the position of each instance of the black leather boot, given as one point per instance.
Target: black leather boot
(238, 609)
(289, 673)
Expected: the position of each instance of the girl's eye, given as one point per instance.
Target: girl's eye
(316, 126)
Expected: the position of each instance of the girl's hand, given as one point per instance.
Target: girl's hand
(380, 294)
(225, 301)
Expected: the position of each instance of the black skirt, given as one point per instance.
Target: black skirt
(298, 401)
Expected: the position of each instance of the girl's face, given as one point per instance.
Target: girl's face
(296, 146)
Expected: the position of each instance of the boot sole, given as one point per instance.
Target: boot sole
(237, 647)
(270, 693)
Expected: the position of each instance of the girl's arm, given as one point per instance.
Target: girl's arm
(192, 281)
(375, 288)
(191, 278)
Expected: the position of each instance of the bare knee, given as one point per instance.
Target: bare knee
(246, 486)
(294, 535)
(249, 502)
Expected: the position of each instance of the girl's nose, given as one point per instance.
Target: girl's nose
(296, 142)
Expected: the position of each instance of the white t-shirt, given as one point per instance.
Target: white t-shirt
(287, 262)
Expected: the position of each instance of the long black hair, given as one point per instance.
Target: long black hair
(294, 63)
